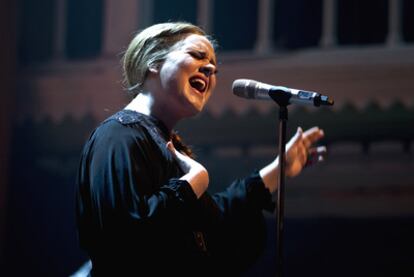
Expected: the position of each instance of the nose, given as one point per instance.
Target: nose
(208, 69)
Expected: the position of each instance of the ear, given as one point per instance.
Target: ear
(154, 68)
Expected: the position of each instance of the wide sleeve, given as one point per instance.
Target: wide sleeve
(235, 222)
(119, 184)
(244, 195)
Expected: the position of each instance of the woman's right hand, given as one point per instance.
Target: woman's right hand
(195, 173)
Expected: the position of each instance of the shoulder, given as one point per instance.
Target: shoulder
(122, 128)
(126, 131)
(127, 117)
(121, 123)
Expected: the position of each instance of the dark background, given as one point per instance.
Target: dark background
(350, 216)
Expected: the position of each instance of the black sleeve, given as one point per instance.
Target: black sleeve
(117, 183)
(248, 194)
(236, 227)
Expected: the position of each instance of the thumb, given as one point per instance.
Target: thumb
(178, 155)
(170, 146)
(298, 136)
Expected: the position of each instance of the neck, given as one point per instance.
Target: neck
(145, 103)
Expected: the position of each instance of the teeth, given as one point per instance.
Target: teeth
(198, 84)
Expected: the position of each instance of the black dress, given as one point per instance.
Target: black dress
(136, 218)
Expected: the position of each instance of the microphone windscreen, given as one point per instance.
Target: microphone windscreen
(244, 88)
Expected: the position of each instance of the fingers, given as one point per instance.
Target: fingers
(308, 137)
(312, 154)
(320, 150)
(312, 135)
(300, 153)
(316, 154)
(177, 154)
(170, 147)
(194, 173)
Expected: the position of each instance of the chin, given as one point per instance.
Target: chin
(192, 105)
(195, 109)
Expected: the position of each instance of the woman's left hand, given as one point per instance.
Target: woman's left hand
(300, 151)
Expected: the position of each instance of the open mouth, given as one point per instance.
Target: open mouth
(199, 84)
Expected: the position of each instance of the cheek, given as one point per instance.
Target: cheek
(211, 90)
(177, 72)
(213, 83)
(169, 76)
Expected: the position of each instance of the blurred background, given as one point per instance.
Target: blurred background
(352, 215)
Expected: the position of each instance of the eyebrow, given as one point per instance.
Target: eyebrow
(201, 50)
(212, 59)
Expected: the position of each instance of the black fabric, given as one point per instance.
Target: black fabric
(136, 217)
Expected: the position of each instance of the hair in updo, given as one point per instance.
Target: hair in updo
(150, 47)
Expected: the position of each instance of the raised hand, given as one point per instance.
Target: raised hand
(300, 151)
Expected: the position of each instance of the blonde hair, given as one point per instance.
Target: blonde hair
(150, 47)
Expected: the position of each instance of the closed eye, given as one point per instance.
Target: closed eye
(198, 55)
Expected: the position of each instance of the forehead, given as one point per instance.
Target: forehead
(197, 42)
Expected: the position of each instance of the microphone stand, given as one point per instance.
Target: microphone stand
(282, 99)
(255, 90)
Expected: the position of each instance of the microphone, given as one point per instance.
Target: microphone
(256, 90)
